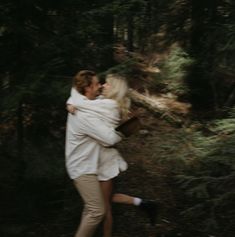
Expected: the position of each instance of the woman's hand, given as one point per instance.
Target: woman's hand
(71, 109)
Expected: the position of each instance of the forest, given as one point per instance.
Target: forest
(179, 59)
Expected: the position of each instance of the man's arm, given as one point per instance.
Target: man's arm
(98, 130)
(70, 103)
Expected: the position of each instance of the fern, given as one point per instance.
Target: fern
(203, 168)
(174, 71)
(208, 181)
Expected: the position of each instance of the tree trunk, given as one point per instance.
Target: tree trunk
(172, 111)
(20, 140)
(212, 14)
(231, 99)
(130, 33)
(197, 30)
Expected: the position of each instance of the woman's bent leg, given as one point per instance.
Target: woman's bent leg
(123, 198)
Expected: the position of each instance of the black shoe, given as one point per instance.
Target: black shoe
(150, 207)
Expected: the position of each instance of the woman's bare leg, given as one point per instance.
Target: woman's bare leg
(123, 198)
(107, 187)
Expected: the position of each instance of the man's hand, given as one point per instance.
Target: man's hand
(71, 109)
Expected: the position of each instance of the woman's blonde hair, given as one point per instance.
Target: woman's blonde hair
(119, 91)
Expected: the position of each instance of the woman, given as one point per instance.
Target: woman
(112, 108)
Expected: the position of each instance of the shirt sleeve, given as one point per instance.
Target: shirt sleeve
(69, 101)
(98, 130)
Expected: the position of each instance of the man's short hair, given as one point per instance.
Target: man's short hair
(82, 80)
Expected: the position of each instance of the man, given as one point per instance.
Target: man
(84, 137)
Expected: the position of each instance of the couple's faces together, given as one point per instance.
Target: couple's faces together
(96, 88)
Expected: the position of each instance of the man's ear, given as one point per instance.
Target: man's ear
(87, 89)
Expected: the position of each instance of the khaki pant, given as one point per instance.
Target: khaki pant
(94, 210)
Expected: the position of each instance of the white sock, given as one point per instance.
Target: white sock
(137, 201)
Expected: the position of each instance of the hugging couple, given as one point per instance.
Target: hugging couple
(91, 160)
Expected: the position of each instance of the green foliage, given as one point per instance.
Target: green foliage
(200, 159)
(175, 70)
(127, 68)
(208, 180)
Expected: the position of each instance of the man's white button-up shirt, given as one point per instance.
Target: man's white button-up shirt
(85, 134)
